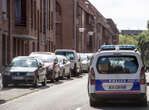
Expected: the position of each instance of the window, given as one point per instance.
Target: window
(20, 12)
(117, 64)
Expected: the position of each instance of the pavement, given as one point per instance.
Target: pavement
(66, 95)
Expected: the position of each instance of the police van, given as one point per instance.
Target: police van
(117, 73)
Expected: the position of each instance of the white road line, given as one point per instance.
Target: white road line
(78, 108)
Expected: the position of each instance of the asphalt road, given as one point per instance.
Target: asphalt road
(71, 95)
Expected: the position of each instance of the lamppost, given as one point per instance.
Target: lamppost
(81, 30)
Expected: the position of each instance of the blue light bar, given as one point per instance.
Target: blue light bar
(127, 47)
(107, 47)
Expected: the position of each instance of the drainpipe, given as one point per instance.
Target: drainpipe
(75, 30)
(54, 25)
(46, 23)
(9, 33)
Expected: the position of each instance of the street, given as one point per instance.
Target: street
(65, 95)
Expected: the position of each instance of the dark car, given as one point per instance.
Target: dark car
(26, 70)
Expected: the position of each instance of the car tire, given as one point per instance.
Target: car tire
(143, 102)
(44, 83)
(93, 103)
(4, 83)
(36, 83)
(69, 76)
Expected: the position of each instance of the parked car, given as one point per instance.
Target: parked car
(84, 63)
(51, 65)
(65, 66)
(72, 56)
(25, 69)
(117, 73)
(1, 85)
(41, 53)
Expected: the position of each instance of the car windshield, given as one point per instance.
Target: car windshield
(24, 63)
(68, 55)
(117, 64)
(83, 57)
(44, 58)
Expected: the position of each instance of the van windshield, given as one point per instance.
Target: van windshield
(68, 55)
(117, 64)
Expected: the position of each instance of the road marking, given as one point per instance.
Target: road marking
(78, 108)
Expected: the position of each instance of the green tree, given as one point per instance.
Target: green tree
(143, 44)
(127, 40)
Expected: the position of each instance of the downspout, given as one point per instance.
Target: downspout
(46, 24)
(9, 33)
(75, 30)
(54, 25)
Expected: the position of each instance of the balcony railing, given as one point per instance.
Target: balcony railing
(20, 21)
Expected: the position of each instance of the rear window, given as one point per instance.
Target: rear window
(117, 64)
(68, 55)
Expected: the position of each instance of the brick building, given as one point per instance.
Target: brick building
(25, 26)
(80, 26)
(46, 25)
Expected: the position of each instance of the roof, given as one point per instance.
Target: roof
(131, 32)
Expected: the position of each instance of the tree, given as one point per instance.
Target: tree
(143, 44)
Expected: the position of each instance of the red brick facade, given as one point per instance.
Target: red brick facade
(81, 27)
(46, 25)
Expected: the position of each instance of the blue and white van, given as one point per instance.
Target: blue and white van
(117, 73)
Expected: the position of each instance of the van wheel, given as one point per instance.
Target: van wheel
(93, 103)
(144, 102)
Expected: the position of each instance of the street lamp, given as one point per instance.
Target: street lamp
(81, 30)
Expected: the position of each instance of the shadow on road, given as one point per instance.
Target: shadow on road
(2, 101)
(24, 86)
(125, 106)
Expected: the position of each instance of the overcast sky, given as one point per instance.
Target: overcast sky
(127, 14)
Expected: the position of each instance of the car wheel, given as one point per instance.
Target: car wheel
(57, 79)
(53, 77)
(93, 103)
(69, 76)
(44, 83)
(36, 83)
(4, 83)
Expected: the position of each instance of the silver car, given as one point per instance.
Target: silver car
(65, 66)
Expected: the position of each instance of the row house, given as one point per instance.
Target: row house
(80, 26)
(26, 26)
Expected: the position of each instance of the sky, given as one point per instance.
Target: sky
(127, 14)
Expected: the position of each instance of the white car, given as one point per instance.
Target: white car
(65, 66)
(84, 62)
(72, 56)
(117, 73)
(1, 84)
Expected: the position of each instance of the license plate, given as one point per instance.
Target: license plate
(117, 87)
(18, 78)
